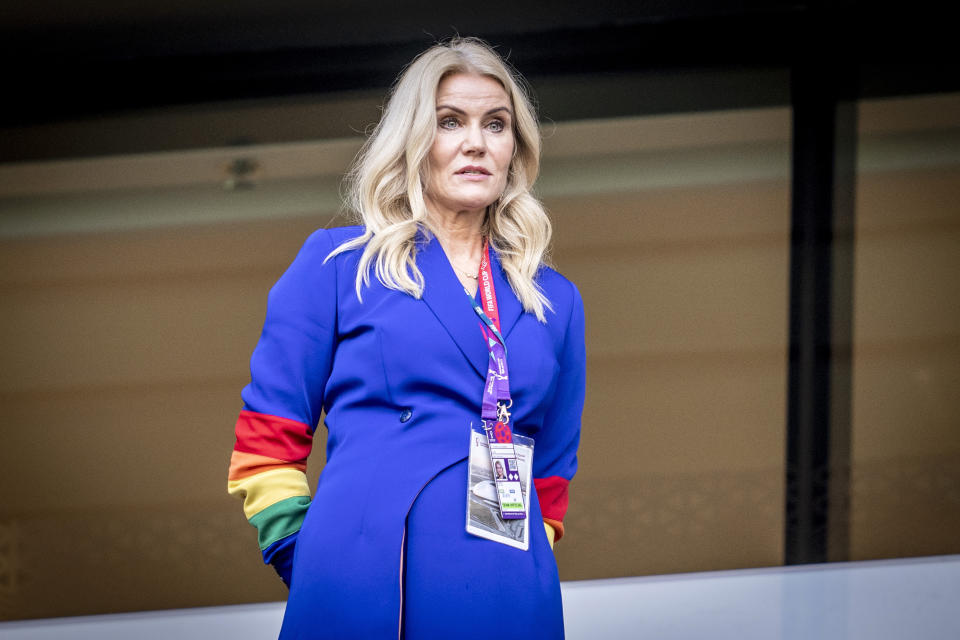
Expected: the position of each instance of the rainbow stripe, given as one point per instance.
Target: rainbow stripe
(268, 472)
(554, 496)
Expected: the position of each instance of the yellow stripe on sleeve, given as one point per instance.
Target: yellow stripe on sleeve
(551, 534)
(264, 489)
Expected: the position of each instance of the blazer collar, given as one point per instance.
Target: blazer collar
(445, 296)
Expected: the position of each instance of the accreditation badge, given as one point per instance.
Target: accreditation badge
(486, 492)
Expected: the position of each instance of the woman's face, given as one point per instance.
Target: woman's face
(470, 157)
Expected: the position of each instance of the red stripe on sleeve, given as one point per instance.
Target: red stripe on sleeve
(273, 436)
(554, 498)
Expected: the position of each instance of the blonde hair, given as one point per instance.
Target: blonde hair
(385, 183)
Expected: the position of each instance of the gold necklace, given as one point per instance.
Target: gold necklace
(466, 274)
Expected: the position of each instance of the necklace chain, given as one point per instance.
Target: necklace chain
(473, 276)
(468, 275)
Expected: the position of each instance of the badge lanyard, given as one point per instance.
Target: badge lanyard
(495, 414)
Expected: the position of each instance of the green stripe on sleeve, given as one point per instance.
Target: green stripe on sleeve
(279, 520)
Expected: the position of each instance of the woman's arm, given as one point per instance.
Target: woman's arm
(555, 458)
(284, 400)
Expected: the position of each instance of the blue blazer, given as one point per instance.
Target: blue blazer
(399, 380)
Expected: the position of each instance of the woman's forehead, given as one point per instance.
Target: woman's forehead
(471, 89)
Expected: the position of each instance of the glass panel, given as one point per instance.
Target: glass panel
(905, 497)
(134, 291)
(676, 230)
(124, 354)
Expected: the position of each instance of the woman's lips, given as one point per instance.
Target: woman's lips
(473, 174)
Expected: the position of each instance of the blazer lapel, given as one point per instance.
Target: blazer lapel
(445, 296)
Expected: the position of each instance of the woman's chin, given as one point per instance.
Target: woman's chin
(476, 202)
(473, 206)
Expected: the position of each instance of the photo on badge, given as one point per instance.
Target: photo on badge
(483, 507)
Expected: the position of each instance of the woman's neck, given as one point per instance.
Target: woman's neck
(459, 229)
(461, 237)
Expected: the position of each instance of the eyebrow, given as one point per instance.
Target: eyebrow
(461, 111)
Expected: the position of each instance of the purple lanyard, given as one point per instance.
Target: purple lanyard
(494, 411)
(496, 390)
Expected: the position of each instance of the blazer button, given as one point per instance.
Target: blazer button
(407, 413)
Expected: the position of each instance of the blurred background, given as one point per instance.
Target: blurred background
(759, 201)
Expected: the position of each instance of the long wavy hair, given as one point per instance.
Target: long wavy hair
(385, 185)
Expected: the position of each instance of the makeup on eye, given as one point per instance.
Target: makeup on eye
(496, 119)
(497, 125)
(448, 122)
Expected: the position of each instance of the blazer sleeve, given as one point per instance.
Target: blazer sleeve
(555, 457)
(283, 402)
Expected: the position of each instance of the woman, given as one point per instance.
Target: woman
(372, 326)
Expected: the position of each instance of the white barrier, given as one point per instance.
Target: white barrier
(880, 600)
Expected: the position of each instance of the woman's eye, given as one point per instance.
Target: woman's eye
(448, 123)
(496, 126)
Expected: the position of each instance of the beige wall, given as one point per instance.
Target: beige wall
(905, 492)
(125, 338)
(682, 453)
(125, 353)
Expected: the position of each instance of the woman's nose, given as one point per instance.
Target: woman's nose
(474, 141)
